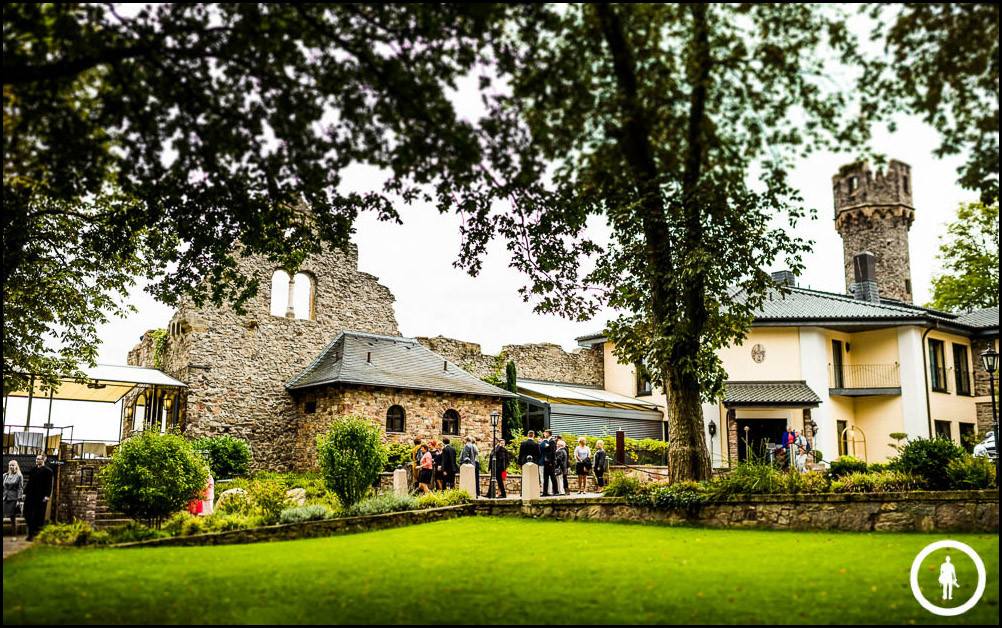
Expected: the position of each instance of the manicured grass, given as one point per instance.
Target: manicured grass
(488, 570)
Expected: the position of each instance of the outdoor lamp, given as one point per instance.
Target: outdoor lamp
(494, 418)
(167, 403)
(712, 428)
(990, 358)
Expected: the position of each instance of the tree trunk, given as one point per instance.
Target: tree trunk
(688, 457)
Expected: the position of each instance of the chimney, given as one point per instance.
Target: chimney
(865, 288)
(785, 278)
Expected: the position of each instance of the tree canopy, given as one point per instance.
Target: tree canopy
(970, 257)
(183, 135)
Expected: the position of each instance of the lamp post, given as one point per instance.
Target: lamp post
(990, 360)
(712, 429)
(492, 487)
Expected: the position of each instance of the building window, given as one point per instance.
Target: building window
(843, 437)
(139, 415)
(280, 293)
(904, 182)
(937, 365)
(644, 386)
(968, 438)
(853, 184)
(943, 429)
(450, 422)
(310, 407)
(960, 371)
(302, 296)
(395, 419)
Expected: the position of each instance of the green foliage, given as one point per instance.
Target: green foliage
(153, 475)
(438, 499)
(748, 478)
(398, 455)
(929, 459)
(269, 499)
(637, 451)
(621, 485)
(511, 412)
(382, 504)
(75, 533)
(687, 497)
(315, 512)
(134, 532)
(970, 473)
(845, 465)
(877, 482)
(160, 340)
(351, 457)
(229, 457)
(969, 255)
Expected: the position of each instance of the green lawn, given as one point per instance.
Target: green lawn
(488, 570)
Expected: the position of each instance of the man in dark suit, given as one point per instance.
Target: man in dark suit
(547, 457)
(449, 465)
(500, 459)
(36, 495)
(528, 448)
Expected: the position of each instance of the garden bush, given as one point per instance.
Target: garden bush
(381, 504)
(621, 485)
(748, 478)
(133, 532)
(879, 482)
(351, 457)
(929, 459)
(153, 475)
(844, 465)
(228, 457)
(316, 512)
(398, 455)
(75, 533)
(970, 473)
(451, 497)
(268, 498)
(687, 497)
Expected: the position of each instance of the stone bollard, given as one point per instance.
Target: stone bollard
(468, 479)
(400, 484)
(530, 481)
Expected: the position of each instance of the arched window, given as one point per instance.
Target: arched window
(280, 293)
(395, 419)
(450, 422)
(302, 299)
(139, 416)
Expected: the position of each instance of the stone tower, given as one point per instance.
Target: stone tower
(873, 212)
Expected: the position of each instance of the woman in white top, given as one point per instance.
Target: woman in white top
(582, 456)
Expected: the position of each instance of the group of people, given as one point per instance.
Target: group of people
(796, 447)
(435, 464)
(552, 456)
(28, 500)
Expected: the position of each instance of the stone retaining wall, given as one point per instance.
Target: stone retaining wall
(79, 490)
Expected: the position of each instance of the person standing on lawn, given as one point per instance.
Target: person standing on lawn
(415, 461)
(425, 469)
(500, 459)
(471, 455)
(36, 495)
(548, 458)
(582, 463)
(601, 461)
(449, 466)
(562, 464)
(528, 448)
(13, 495)
(436, 456)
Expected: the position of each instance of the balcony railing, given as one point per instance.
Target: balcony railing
(864, 376)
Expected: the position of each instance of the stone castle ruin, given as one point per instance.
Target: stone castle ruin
(239, 367)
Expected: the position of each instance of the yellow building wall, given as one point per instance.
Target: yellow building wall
(949, 406)
(782, 356)
(622, 379)
(878, 418)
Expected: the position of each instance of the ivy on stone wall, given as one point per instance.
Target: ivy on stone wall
(159, 347)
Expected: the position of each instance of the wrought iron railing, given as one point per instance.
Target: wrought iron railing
(864, 376)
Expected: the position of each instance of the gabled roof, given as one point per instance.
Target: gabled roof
(793, 393)
(389, 361)
(802, 306)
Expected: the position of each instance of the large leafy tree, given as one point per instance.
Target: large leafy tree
(970, 257)
(677, 123)
(942, 63)
(183, 135)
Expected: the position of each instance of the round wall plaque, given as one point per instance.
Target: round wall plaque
(758, 354)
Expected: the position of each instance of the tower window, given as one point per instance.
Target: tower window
(904, 184)
(853, 184)
(279, 293)
(908, 286)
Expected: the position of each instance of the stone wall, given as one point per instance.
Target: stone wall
(875, 216)
(544, 361)
(77, 497)
(947, 511)
(236, 364)
(982, 385)
(423, 411)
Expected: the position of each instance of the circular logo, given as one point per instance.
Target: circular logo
(758, 354)
(947, 578)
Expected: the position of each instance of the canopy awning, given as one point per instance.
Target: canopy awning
(791, 394)
(104, 383)
(570, 394)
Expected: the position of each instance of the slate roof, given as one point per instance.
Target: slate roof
(769, 393)
(390, 361)
(805, 306)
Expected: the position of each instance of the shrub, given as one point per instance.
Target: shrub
(970, 473)
(228, 457)
(268, 498)
(878, 467)
(929, 458)
(621, 485)
(397, 455)
(451, 497)
(153, 475)
(75, 533)
(299, 514)
(133, 532)
(685, 496)
(793, 482)
(856, 482)
(844, 465)
(748, 478)
(351, 457)
(879, 482)
(381, 504)
(235, 503)
(175, 524)
(225, 523)
(100, 537)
